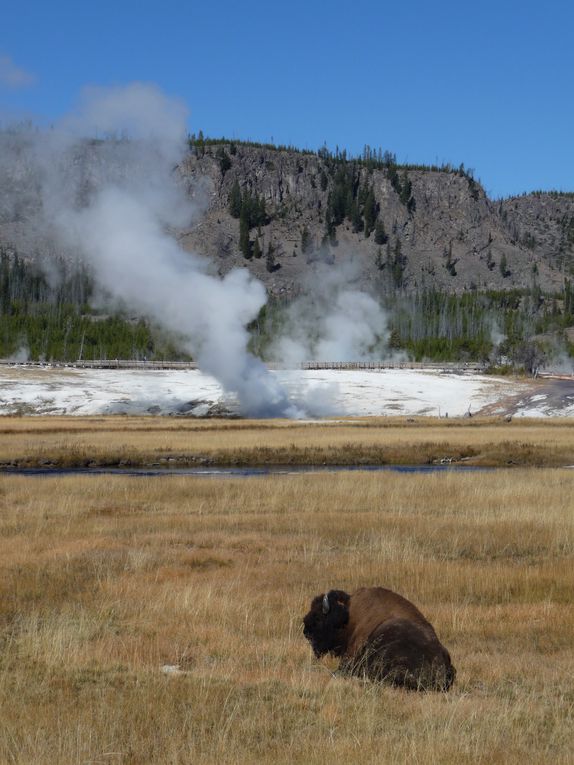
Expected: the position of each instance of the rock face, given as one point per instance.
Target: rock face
(451, 237)
(442, 231)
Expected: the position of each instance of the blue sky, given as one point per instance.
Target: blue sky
(486, 83)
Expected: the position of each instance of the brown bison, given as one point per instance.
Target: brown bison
(380, 635)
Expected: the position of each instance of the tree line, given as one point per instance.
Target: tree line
(369, 157)
(52, 319)
(493, 327)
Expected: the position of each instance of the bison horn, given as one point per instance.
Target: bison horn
(326, 604)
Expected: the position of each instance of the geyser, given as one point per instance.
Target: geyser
(116, 203)
(105, 184)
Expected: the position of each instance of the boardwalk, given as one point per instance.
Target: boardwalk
(311, 365)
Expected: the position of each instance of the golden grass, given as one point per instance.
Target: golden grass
(105, 579)
(146, 441)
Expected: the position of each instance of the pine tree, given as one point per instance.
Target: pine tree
(356, 218)
(270, 263)
(4, 281)
(306, 244)
(394, 340)
(399, 264)
(349, 204)
(406, 187)
(200, 144)
(261, 212)
(362, 195)
(224, 161)
(370, 212)
(380, 233)
(450, 264)
(244, 243)
(330, 225)
(568, 299)
(393, 177)
(235, 200)
(257, 251)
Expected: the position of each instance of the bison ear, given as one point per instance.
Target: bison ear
(337, 613)
(338, 596)
(343, 598)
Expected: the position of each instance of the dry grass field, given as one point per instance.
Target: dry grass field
(107, 579)
(80, 441)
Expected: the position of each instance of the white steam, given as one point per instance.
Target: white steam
(105, 185)
(21, 355)
(139, 111)
(138, 262)
(497, 337)
(13, 76)
(332, 321)
(116, 202)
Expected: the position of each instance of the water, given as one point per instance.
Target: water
(242, 472)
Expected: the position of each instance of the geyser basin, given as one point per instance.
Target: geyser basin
(336, 393)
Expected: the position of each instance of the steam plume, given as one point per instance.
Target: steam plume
(333, 320)
(116, 202)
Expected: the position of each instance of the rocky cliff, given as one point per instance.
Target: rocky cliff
(443, 232)
(404, 227)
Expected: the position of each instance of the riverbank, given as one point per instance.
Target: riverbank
(163, 442)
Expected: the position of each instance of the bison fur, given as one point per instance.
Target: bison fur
(380, 635)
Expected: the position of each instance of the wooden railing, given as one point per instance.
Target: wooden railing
(310, 365)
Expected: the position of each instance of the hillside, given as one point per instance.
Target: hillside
(408, 227)
(440, 228)
(454, 275)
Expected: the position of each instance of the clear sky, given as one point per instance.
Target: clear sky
(486, 83)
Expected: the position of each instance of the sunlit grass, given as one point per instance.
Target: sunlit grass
(147, 441)
(104, 580)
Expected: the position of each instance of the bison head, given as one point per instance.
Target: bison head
(324, 625)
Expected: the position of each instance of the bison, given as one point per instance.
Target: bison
(380, 635)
